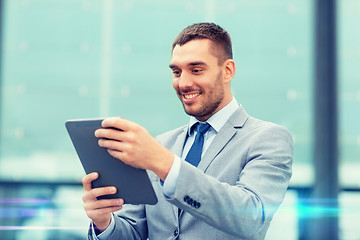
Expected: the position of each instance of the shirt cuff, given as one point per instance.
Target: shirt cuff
(107, 232)
(170, 183)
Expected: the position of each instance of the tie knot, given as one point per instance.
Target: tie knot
(202, 127)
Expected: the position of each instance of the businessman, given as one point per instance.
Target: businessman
(222, 176)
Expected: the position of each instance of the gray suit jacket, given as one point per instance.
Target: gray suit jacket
(232, 194)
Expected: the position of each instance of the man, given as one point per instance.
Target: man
(245, 167)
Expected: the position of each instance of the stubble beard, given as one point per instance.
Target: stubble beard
(210, 107)
(205, 111)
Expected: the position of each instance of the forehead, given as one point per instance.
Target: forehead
(199, 50)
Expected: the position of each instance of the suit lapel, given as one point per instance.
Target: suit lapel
(220, 141)
(237, 120)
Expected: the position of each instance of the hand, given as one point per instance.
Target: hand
(99, 210)
(133, 145)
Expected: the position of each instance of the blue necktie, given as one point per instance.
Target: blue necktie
(194, 154)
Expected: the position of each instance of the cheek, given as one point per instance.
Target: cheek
(175, 84)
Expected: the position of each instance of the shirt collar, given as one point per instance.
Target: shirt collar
(218, 120)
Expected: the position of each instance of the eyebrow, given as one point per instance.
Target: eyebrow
(196, 63)
(190, 64)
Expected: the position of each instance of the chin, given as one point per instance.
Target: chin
(198, 113)
(191, 112)
(194, 114)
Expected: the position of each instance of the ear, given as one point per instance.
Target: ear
(229, 70)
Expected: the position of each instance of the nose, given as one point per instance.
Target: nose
(185, 82)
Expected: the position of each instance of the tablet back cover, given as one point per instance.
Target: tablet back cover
(133, 184)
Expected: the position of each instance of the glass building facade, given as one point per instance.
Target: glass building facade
(74, 59)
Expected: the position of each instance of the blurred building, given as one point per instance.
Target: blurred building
(64, 60)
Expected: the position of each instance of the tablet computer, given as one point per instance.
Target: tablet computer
(133, 184)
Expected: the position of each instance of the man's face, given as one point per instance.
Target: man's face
(198, 78)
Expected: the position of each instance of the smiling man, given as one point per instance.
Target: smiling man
(201, 77)
(222, 176)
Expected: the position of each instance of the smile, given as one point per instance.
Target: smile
(191, 96)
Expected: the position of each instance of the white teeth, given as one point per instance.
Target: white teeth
(189, 96)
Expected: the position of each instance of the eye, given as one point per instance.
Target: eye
(197, 71)
(176, 72)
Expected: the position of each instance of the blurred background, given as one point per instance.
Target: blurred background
(69, 59)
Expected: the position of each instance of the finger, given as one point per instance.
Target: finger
(86, 180)
(119, 155)
(119, 123)
(114, 145)
(97, 192)
(105, 203)
(95, 213)
(109, 133)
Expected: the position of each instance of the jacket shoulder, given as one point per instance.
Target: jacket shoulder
(169, 137)
(259, 126)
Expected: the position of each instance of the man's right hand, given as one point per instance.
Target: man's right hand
(99, 210)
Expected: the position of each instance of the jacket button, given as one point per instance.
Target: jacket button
(196, 204)
(176, 232)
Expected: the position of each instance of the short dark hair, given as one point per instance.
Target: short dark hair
(211, 31)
